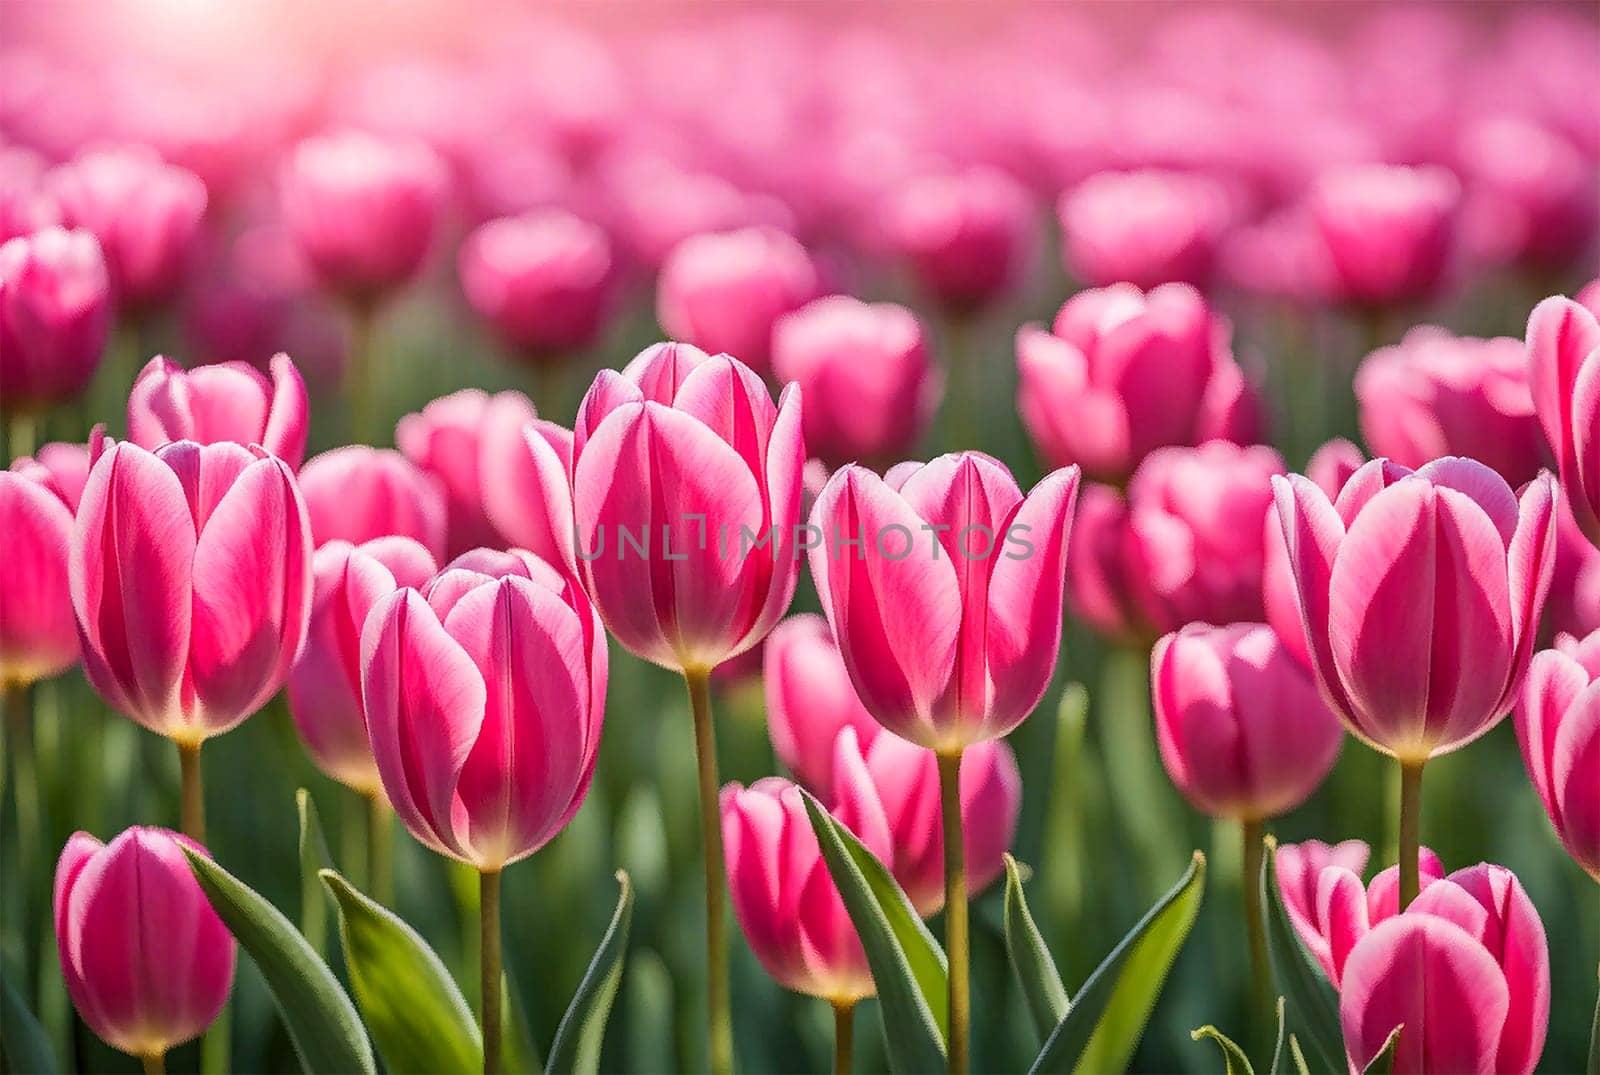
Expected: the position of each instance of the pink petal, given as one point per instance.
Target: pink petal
(1312, 534)
(526, 494)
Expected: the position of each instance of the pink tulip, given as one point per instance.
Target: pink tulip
(1564, 374)
(524, 467)
(1144, 228)
(946, 601)
(1530, 195)
(25, 206)
(1329, 468)
(1388, 230)
(1242, 731)
(810, 700)
(148, 963)
(783, 896)
(55, 315)
(1437, 394)
(1299, 870)
(723, 292)
(325, 685)
(357, 493)
(484, 701)
(38, 636)
(145, 212)
(541, 281)
(227, 402)
(1420, 594)
(191, 580)
(61, 468)
(967, 236)
(1185, 545)
(686, 497)
(363, 210)
(1558, 725)
(865, 368)
(1124, 372)
(1574, 604)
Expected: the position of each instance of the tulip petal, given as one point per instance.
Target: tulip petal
(526, 494)
(38, 635)
(1574, 759)
(1312, 532)
(288, 418)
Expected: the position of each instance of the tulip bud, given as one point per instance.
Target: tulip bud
(61, 468)
(231, 401)
(148, 963)
(190, 570)
(967, 236)
(1574, 604)
(38, 636)
(1564, 374)
(1329, 468)
(1388, 230)
(55, 315)
(1144, 228)
(1558, 725)
(357, 493)
(810, 700)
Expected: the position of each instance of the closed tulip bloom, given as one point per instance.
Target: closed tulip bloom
(1144, 228)
(38, 635)
(25, 205)
(1564, 374)
(1299, 869)
(1558, 725)
(325, 685)
(810, 700)
(484, 702)
(1436, 394)
(357, 493)
(967, 236)
(145, 212)
(540, 281)
(1328, 469)
(865, 369)
(61, 468)
(191, 580)
(525, 467)
(1388, 230)
(948, 611)
(723, 292)
(363, 210)
(1420, 594)
(55, 315)
(686, 497)
(231, 401)
(1530, 195)
(148, 963)
(1124, 372)
(1574, 604)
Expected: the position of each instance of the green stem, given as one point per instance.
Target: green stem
(380, 848)
(1255, 928)
(719, 1021)
(1146, 805)
(489, 963)
(154, 1063)
(963, 392)
(192, 812)
(216, 1048)
(549, 388)
(1410, 829)
(1594, 1041)
(358, 380)
(22, 434)
(18, 704)
(843, 1036)
(955, 910)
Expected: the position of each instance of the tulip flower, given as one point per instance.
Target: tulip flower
(1144, 228)
(1328, 469)
(723, 292)
(55, 315)
(25, 206)
(1436, 394)
(1574, 604)
(810, 700)
(943, 584)
(357, 493)
(967, 236)
(1564, 374)
(525, 465)
(686, 503)
(484, 701)
(1530, 195)
(231, 401)
(61, 468)
(145, 212)
(1420, 594)
(38, 635)
(148, 963)
(1558, 726)
(1388, 230)
(1124, 372)
(865, 369)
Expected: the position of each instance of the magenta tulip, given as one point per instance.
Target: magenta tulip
(148, 963)
(1574, 604)
(1530, 195)
(1298, 874)
(865, 369)
(1329, 468)
(227, 402)
(1124, 372)
(55, 315)
(61, 468)
(325, 685)
(25, 205)
(1144, 228)
(723, 292)
(1558, 725)
(38, 635)
(1564, 374)
(1388, 231)
(524, 467)
(810, 700)
(967, 236)
(357, 493)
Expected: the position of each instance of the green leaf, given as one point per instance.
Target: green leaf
(313, 857)
(23, 1044)
(1276, 1067)
(518, 1056)
(908, 966)
(1383, 1063)
(322, 1023)
(1035, 969)
(1299, 1057)
(577, 1044)
(1313, 1006)
(1108, 1015)
(417, 1017)
(1238, 1063)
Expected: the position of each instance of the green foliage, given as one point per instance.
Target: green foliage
(1313, 1008)
(577, 1044)
(1030, 959)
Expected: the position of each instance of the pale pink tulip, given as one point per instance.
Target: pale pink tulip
(25, 205)
(1574, 604)
(967, 236)
(55, 316)
(1388, 230)
(1530, 195)
(231, 401)
(1329, 468)
(38, 636)
(1143, 228)
(1558, 725)
(61, 468)
(810, 700)
(1564, 374)
(357, 493)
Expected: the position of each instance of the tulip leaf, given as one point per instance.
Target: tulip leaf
(1030, 959)
(1299, 1058)
(1383, 1063)
(1232, 1055)
(908, 966)
(1313, 1008)
(577, 1044)
(24, 1045)
(322, 1023)
(518, 1055)
(1276, 1067)
(1106, 1018)
(313, 857)
(1594, 1042)
(419, 1020)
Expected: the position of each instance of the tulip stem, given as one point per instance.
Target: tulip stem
(719, 1022)
(154, 1063)
(489, 962)
(18, 703)
(22, 434)
(1410, 829)
(192, 811)
(964, 390)
(380, 848)
(358, 373)
(955, 909)
(1255, 926)
(1594, 1041)
(844, 1036)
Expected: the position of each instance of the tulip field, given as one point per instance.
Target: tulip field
(748, 537)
